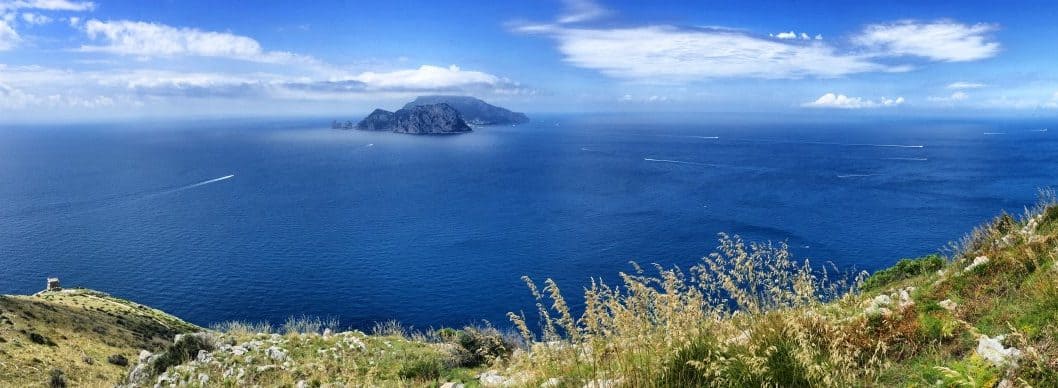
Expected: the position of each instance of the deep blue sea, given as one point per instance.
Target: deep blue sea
(261, 220)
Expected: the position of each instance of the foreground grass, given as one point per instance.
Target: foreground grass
(748, 315)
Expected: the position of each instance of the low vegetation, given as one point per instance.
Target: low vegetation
(984, 315)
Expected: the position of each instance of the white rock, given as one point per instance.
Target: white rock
(492, 379)
(265, 368)
(203, 356)
(992, 349)
(978, 261)
(551, 383)
(203, 378)
(948, 304)
(276, 353)
(452, 385)
(301, 384)
(238, 350)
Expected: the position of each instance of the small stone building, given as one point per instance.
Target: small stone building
(53, 285)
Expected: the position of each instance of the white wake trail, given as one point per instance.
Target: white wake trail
(203, 183)
(677, 162)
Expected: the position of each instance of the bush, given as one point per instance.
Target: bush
(181, 351)
(479, 346)
(904, 269)
(118, 360)
(57, 379)
(421, 368)
(40, 339)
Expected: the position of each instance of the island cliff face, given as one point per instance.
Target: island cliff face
(429, 119)
(379, 120)
(474, 111)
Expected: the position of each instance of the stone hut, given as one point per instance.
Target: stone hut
(53, 285)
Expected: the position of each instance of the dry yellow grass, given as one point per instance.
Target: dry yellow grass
(79, 329)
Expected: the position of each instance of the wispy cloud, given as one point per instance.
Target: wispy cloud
(670, 54)
(9, 38)
(954, 97)
(841, 101)
(577, 11)
(142, 39)
(965, 85)
(35, 19)
(50, 5)
(794, 35)
(946, 41)
(34, 87)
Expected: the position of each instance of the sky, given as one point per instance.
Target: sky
(72, 60)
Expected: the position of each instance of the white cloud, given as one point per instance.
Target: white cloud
(794, 35)
(965, 85)
(1053, 102)
(946, 41)
(147, 40)
(954, 97)
(841, 101)
(37, 19)
(577, 11)
(85, 89)
(8, 37)
(669, 54)
(50, 5)
(435, 78)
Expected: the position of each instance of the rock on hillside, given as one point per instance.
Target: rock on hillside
(474, 111)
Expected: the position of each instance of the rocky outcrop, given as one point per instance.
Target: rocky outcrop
(379, 120)
(474, 111)
(418, 120)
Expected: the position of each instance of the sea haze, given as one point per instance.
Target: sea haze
(257, 221)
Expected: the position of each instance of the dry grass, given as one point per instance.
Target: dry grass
(750, 315)
(73, 333)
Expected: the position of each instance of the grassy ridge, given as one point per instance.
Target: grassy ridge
(748, 315)
(71, 335)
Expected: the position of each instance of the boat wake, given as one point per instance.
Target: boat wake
(678, 162)
(994, 133)
(835, 144)
(194, 185)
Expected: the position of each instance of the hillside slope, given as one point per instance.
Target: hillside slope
(74, 332)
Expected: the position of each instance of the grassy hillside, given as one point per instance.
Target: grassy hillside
(71, 334)
(985, 315)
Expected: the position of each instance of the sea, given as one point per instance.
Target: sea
(261, 220)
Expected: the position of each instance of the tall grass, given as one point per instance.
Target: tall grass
(746, 315)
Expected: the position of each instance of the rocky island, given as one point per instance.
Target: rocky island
(435, 115)
(474, 111)
(418, 120)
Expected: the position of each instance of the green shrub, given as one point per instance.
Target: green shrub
(904, 269)
(423, 367)
(478, 346)
(186, 349)
(57, 379)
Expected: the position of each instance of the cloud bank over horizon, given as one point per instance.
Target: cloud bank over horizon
(73, 55)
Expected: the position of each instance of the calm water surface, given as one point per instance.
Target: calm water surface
(259, 221)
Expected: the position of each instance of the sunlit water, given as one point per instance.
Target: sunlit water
(259, 221)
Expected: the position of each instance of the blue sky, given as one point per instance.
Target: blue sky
(77, 60)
